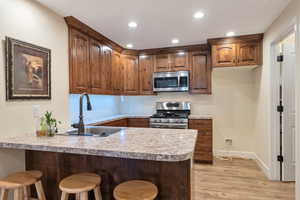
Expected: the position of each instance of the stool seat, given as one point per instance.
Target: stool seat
(20, 179)
(135, 190)
(79, 183)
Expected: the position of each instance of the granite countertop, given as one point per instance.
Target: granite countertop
(133, 143)
(194, 116)
(118, 117)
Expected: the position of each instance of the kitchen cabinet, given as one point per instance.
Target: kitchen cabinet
(224, 55)
(162, 63)
(115, 123)
(138, 122)
(146, 69)
(131, 74)
(248, 53)
(200, 74)
(237, 51)
(79, 62)
(100, 68)
(127, 122)
(204, 145)
(172, 62)
(179, 61)
(117, 78)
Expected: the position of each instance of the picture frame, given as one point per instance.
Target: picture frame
(28, 71)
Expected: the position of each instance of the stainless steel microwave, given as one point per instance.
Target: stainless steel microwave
(171, 81)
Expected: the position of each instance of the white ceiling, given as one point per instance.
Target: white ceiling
(159, 21)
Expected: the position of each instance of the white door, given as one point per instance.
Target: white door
(288, 69)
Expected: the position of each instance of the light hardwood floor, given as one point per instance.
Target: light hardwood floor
(237, 180)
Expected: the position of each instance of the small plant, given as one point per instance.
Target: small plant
(49, 123)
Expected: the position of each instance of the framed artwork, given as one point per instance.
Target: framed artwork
(28, 71)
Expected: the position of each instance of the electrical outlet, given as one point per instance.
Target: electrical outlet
(36, 111)
(228, 142)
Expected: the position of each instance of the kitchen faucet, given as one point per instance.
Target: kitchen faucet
(80, 124)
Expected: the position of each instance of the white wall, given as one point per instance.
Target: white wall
(102, 106)
(28, 21)
(231, 106)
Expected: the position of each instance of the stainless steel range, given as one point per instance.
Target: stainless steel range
(173, 115)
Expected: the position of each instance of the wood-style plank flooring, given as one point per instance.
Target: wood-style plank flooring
(237, 180)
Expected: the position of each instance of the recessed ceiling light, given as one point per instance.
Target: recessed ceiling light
(132, 25)
(175, 41)
(129, 46)
(198, 15)
(230, 34)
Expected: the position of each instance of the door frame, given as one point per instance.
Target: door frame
(274, 84)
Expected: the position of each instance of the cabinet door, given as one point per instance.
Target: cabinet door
(162, 63)
(131, 74)
(204, 145)
(179, 61)
(200, 80)
(117, 74)
(248, 54)
(146, 69)
(79, 62)
(106, 70)
(139, 122)
(224, 55)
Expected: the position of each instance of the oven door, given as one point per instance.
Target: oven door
(171, 81)
(169, 125)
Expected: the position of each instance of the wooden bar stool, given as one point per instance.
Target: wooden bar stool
(135, 190)
(81, 184)
(20, 184)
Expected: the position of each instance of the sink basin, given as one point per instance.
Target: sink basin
(97, 131)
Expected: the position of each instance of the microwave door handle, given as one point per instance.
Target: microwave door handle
(178, 85)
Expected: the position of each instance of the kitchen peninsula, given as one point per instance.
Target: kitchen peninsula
(162, 156)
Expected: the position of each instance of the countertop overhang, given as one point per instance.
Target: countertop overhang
(171, 145)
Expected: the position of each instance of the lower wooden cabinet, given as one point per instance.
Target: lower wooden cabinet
(127, 122)
(115, 123)
(204, 145)
(138, 122)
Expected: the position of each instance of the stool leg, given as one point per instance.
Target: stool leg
(64, 196)
(4, 194)
(40, 191)
(18, 194)
(97, 193)
(83, 196)
(27, 192)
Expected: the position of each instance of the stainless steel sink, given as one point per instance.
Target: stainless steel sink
(97, 131)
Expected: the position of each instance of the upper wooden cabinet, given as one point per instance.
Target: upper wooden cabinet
(200, 75)
(131, 74)
(162, 63)
(146, 69)
(79, 62)
(249, 53)
(117, 78)
(237, 51)
(100, 68)
(171, 62)
(179, 61)
(224, 55)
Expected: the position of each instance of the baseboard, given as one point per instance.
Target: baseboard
(245, 155)
(235, 154)
(266, 170)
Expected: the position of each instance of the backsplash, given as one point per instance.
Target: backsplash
(103, 106)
